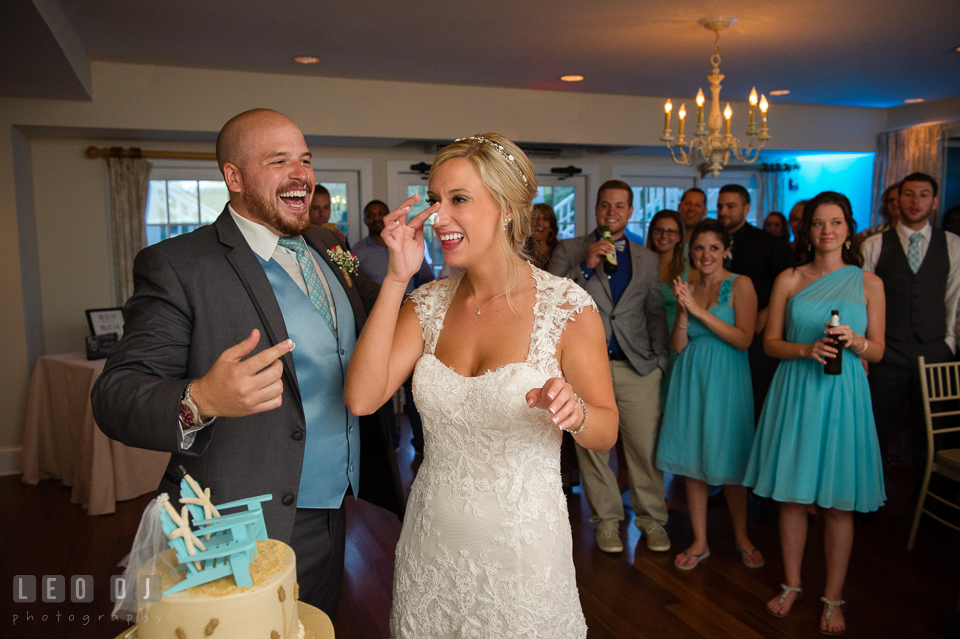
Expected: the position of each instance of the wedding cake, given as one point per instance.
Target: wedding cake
(207, 570)
(220, 608)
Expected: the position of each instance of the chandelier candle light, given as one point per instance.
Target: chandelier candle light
(712, 146)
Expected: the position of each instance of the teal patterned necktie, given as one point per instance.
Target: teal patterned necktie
(913, 253)
(311, 278)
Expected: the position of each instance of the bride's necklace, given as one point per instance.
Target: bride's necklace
(480, 308)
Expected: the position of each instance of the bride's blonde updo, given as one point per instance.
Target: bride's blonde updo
(508, 175)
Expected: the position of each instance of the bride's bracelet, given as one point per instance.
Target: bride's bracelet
(583, 424)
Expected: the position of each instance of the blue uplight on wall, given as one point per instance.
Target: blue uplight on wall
(847, 173)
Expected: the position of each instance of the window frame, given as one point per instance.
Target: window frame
(198, 170)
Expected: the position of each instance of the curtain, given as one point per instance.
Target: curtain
(129, 186)
(900, 153)
(770, 185)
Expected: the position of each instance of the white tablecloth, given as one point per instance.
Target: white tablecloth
(61, 439)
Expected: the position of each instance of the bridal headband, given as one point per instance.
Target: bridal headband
(500, 149)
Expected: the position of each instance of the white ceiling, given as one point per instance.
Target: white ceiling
(839, 52)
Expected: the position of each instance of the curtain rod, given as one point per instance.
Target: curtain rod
(137, 153)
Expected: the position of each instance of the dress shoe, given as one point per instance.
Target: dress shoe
(656, 538)
(608, 539)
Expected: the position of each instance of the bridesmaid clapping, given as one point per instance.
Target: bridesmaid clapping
(707, 427)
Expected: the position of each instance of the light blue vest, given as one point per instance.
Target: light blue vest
(331, 456)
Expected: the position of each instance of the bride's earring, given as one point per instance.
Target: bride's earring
(506, 223)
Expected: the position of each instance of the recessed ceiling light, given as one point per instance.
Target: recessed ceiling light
(913, 100)
(571, 78)
(306, 59)
(780, 92)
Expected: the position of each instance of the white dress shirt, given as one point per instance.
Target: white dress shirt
(870, 250)
(266, 244)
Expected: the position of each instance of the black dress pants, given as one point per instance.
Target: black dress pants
(319, 540)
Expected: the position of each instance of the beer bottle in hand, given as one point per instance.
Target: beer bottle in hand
(609, 259)
(834, 366)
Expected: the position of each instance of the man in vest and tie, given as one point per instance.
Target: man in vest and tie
(236, 343)
(920, 269)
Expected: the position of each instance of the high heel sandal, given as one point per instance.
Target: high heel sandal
(830, 606)
(783, 597)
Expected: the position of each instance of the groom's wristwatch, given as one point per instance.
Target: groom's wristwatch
(190, 420)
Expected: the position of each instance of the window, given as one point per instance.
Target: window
(175, 207)
(183, 196)
(654, 189)
(647, 202)
(563, 200)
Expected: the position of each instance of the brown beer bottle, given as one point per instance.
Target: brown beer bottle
(834, 366)
(609, 259)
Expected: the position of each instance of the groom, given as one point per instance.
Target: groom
(207, 368)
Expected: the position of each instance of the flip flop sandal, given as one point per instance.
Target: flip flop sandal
(745, 554)
(696, 560)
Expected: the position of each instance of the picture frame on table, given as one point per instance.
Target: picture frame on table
(105, 321)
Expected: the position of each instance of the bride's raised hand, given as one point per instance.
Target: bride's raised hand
(557, 398)
(405, 239)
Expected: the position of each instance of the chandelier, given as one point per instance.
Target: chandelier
(716, 148)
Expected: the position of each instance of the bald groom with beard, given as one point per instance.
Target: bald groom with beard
(207, 369)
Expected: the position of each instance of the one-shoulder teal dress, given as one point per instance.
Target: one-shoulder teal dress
(707, 429)
(816, 439)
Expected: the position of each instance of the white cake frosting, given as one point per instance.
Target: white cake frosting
(220, 608)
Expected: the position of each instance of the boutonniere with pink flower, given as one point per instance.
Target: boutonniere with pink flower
(346, 260)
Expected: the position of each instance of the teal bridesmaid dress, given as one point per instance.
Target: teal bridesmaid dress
(707, 429)
(816, 440)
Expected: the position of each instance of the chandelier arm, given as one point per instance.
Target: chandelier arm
(750, 156)
(747, 155)
(687, 155)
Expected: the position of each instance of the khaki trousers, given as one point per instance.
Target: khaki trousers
(638, 401)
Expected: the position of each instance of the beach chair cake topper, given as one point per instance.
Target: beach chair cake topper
(208, 543)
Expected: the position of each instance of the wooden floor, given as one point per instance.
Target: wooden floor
(636, 594)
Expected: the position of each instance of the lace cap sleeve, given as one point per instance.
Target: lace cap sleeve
(430, 301)
(574, 299)
(559, 301)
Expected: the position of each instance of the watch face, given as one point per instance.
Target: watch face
(186, 415)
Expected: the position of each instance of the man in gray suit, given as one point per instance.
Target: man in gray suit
(207, 368)
(635, 321)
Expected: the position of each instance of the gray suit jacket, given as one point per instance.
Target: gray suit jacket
(195, 296)
(639, 319)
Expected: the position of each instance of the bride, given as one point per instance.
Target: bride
(504, 358)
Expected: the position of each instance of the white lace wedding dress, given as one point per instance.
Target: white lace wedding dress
(485, 550)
